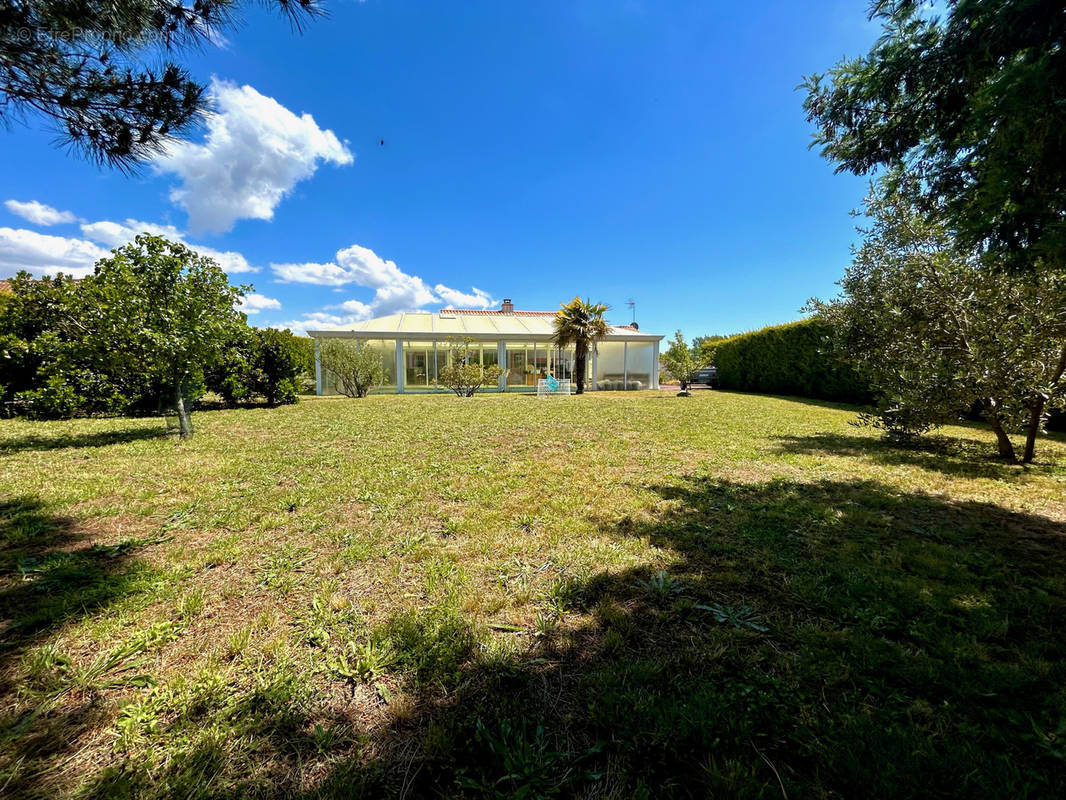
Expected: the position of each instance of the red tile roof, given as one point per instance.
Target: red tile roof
(491, 312)
(5, 287)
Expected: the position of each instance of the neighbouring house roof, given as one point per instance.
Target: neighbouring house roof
(478, 324)
(6, 288)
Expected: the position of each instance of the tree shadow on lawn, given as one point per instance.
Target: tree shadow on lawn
(836, 638)
(957, 456)
(76, 440)
(832, 638)
(50, 574)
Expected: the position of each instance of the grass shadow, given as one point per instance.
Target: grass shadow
(78, 440)
(51, 573)
(961, 457)
(827, 639)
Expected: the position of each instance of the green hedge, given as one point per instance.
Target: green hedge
(790, 359)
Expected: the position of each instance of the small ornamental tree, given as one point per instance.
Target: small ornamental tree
(157, 309)
(356, 367)
(679, 362)
(464, 376)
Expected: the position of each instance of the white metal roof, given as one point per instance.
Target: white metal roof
(463, 323)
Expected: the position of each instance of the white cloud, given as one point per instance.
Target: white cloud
(255, 152)
(116, 234)
(41, 254)
(321, 274)
(457, 299)
(322, 321)
(394, 289)
(39, 213)
(253, 303)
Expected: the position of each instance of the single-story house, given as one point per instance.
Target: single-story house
(413, 345)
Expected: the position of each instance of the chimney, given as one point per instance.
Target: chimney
(507, 307)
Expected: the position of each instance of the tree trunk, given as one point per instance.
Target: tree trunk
(580, 354)
(1006, 449)
(1036, 413)
(184, 423)
(1036, 417)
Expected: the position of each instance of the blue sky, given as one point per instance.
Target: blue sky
(616, 150)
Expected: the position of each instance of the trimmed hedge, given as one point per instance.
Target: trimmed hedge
(791, 359)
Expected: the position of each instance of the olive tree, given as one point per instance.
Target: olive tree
(939, 328)
(356, 367)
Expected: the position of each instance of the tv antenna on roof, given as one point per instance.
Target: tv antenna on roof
(632, 307)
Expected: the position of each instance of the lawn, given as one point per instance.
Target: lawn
(614, 595)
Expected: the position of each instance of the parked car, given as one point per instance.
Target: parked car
(706, 376)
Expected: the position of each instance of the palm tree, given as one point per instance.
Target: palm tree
(581, 324)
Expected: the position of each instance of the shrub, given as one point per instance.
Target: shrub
(260, 363)
(463, 376)
(791, 359)
(357, 368)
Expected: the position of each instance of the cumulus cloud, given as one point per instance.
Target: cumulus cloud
(475, 299)
(394, 289)
(253, 303)
(39, 213)
(41, 254)
(255, 152)
(310, 272)
(116, 234)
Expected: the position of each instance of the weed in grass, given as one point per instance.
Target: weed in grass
(238, 642)
(545, 623)
(519, 762)
(527, 523)
(191, 604)
(328, 613)
(434, 644)
(741, 617)
(662, 587)
(408, 543)
(564, 594)
(357, 550)
(280, 568)
(366, 662)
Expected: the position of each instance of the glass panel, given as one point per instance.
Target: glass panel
(517, 363)
(639, 365)
(418, 363)
(609, 366)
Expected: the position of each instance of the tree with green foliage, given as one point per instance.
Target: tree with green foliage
(705, 347)
(83, 66)
(463, 374)
(50, 358)
(972, 104)
(259, 363)
(159, 309)
(937, 330)
(356, 366)
(580, 323)
(680, 362)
